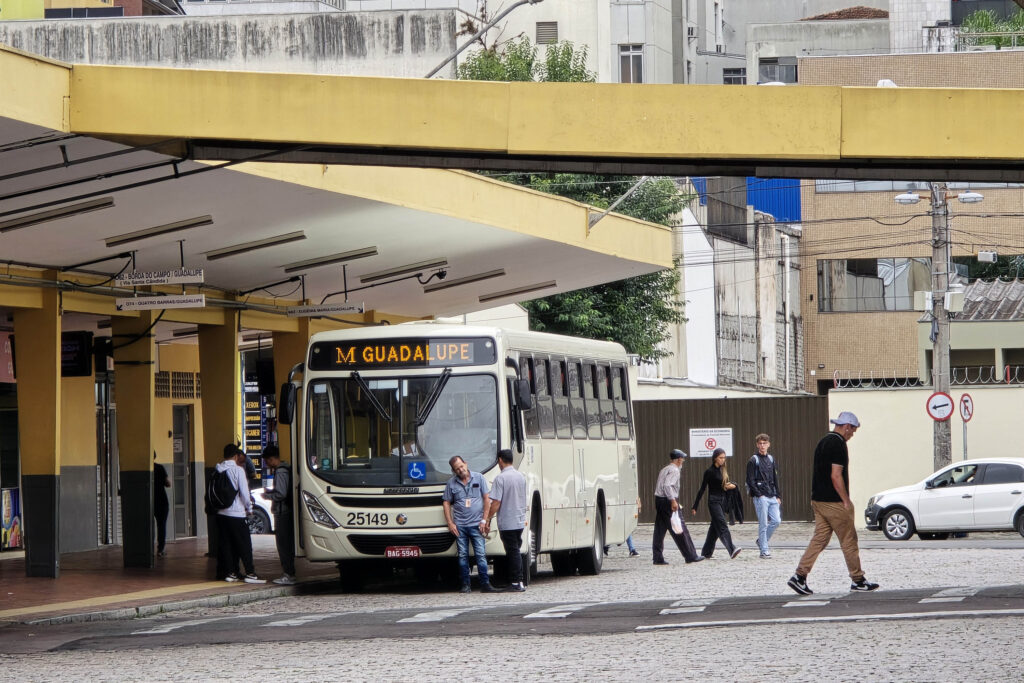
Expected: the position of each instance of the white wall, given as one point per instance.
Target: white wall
(800, 39)
(893, 447)
(907, 19)
(699, 291)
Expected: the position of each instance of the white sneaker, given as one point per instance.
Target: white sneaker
(285, 580)
(231, 578)
(252, 578)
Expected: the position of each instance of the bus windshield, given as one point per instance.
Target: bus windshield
(383, 432)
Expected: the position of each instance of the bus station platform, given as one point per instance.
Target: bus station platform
(95, 585)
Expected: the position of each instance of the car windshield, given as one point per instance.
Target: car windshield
(400, 431)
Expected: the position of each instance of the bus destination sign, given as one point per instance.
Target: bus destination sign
(401, 353)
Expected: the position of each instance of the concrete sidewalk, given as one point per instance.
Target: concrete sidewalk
(95, 584)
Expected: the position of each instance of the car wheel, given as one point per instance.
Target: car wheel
(898, 525)
(933, 536)
(259, 522)
(1020, 522)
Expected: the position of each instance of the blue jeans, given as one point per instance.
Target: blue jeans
(467, 534)
(629, 543)
(768, 519)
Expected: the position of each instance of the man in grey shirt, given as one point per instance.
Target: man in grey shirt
(666, 502)
(508, 502)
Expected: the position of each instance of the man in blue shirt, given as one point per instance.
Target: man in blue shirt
(466, 497)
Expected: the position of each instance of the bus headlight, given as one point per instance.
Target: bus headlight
(317, 512)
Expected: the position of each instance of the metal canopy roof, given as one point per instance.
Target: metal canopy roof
(466, 225)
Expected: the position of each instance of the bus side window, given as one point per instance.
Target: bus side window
(620, 397)
(607, 409)
(530, 421)
(560, 397)
(545, 409)
(590, 401)
(577, 410)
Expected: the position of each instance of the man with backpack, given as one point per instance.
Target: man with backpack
(763, 486)
(281, 505)
(231, 510)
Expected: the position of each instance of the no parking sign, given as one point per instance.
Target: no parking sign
(704, 441)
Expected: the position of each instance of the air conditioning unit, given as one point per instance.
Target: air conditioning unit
(987, 256)
(691, 31)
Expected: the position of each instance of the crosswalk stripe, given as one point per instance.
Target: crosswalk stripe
(693, 602)
(437, 615)
(808, 603)
(682, 610)
(561, 611)
(174, 627)
(306, 619)
(951, 595)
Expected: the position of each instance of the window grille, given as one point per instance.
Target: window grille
(547, 32)
(163, 385)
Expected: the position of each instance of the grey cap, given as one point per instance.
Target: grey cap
(676, 453)
(846, 418)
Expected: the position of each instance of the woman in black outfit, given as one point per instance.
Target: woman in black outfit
(716, 481)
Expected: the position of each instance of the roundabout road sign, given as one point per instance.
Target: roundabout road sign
(966, 407)
(939, 406)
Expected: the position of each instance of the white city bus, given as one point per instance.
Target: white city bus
(383, 409)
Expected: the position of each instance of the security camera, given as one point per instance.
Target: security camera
(442, 274)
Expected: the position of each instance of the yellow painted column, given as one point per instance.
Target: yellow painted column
(135, 368)
(289, 350)
(37, 355)
(220, 368)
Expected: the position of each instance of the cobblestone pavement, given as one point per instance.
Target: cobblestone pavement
(924, 651)
(921, 650)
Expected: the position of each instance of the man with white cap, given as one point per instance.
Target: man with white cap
(833, 509)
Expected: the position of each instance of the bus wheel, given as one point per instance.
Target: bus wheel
(590, 559)
(563, 562)
(351, 577)
(529, 558)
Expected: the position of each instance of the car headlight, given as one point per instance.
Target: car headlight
(871, 500)
(317, 511)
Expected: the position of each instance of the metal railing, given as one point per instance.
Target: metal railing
(959, 376)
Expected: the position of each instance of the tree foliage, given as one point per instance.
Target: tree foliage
(975, 26)
(635, 312)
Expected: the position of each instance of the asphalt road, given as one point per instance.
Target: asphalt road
(519, 617)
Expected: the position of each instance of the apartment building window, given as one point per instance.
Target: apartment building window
(547, 32)
(734, 76)
(631, 63)
(779, 69)
(869, 284)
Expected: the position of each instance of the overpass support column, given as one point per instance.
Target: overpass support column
(135, 367)
(219, 366)
(289, 349)
(37, 345)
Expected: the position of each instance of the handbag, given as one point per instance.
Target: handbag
(677, 523)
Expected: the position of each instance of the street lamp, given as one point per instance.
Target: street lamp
(939, 211)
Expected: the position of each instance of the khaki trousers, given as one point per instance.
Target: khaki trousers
(829, 518)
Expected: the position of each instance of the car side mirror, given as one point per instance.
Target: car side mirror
(930, 484)
(524, 399)
(286, 405)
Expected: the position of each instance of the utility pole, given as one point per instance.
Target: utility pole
(942, 436)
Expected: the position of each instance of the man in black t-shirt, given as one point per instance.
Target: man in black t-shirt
(833, 509)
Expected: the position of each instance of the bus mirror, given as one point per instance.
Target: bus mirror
(524, 399)
(286, 406)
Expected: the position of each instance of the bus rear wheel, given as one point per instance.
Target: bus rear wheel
(589, 560)
(563, 562)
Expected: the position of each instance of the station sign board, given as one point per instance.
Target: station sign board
(150, 303)
(178, 276)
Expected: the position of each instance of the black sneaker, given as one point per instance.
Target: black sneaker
(863, 585)
(660, 562)
(488, 588)
(517, 588)
(465, 588)
(633, 553)
(799, 584)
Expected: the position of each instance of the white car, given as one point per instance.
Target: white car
(261, 521)
(986, 494)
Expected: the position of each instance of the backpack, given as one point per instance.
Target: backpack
(221, 491)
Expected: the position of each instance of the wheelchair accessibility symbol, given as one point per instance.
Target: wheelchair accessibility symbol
(416, 471)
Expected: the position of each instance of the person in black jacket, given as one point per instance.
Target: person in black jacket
(281, 505)
(716, 482)
(763, 486)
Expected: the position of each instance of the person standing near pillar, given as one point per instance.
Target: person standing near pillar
(234, 541)
(666, 503)
(281, 506)
(161, 507)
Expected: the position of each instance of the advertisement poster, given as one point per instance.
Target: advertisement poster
(10, 523)
(6, 358)
(255, 428)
